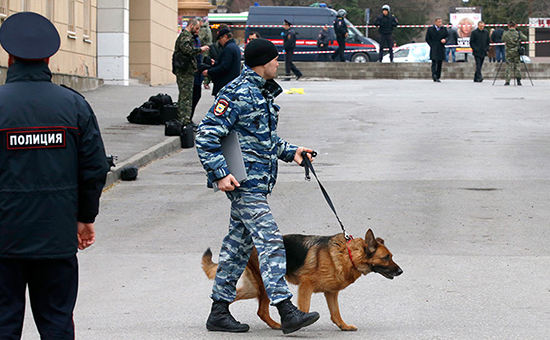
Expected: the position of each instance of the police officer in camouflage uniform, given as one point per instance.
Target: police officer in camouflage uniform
(512, 39)
(185, 44)
(246, 106)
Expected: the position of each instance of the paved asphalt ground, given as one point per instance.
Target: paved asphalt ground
(454, 177)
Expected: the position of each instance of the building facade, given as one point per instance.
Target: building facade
(75, 21)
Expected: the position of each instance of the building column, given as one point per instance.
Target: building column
(113, 41)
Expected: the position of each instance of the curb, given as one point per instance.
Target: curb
(168, 146)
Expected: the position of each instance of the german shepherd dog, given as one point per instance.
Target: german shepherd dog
(317, 264)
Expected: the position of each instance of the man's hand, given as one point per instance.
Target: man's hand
(205, 73)
(298, 155)
(204, 49)
(86, 235)
(228, 183)
(443, 41)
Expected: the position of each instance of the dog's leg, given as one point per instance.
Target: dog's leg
(263, 300)
(332, 302)
(304, 297)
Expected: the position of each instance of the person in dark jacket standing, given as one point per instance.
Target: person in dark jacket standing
(53, 171)
(341, 30)
(322, 44)
(479, 42)
(450, 45)
(289, 41)
(496, 37)
(436, 37)
(386, 22)
(228, 66)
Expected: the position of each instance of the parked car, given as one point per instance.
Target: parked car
(409, 53)
(363, 49)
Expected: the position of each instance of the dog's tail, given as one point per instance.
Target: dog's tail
(208, 266)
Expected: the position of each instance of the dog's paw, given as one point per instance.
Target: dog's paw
(275, 325)
(348, 328)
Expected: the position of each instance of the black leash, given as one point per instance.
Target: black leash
(306, 163)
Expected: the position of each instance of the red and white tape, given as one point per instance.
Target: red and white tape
(399, 26)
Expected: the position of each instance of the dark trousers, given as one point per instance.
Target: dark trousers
(479, 65)
(323, 56)
(289, 65)
(436, 69)
(197, 92)
(341, 47)
(386, 40)
(53, 286)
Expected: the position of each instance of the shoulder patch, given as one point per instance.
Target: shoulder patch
(220, 107)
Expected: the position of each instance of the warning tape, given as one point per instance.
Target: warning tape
(398, 26)
(387, 49)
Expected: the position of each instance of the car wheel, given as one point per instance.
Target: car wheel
(360, 58)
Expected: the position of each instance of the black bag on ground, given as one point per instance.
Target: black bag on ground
(144, 115)
(172, 128)
(168, 112)
(160, 100)
(129, 173)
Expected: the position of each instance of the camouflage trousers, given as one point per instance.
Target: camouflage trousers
(185, 97)
(512, 66)
(251, 225)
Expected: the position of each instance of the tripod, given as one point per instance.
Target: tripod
(526, 70)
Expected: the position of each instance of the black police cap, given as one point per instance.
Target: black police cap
(288, 22)
(28, 35)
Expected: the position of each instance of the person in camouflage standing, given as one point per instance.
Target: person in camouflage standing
(246, 106)
(185, 45)
(205, 34)
(512, 39)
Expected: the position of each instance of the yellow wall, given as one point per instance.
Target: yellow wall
(153, 32)
(75, 56)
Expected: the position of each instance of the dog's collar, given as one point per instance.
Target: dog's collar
(349, 252)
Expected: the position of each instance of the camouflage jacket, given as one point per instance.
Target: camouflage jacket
(186, 45)
(512, 38)
(244, 106)
(205, 35)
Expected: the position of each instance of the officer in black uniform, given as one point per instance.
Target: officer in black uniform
(289, 43)
(53, 169)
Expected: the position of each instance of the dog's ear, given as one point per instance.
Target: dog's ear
(370, 242)
(379, 240)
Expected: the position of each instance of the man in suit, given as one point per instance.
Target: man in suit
(479, 42)
(436, 37)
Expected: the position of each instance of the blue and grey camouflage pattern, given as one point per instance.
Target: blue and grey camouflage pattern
(246, 107)
(251, 224)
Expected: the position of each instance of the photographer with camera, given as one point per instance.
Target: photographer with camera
(513, 38)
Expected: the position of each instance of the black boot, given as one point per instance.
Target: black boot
(292, 319)
(519, 81)
(220, 320)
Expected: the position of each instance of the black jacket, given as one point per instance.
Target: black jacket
(289, 40)
(53, 164)
(496, 37)
(340, 27)
(433, 38)
(479, 42)
(227, 67)
(453, 37)
(385, 23)
(323, 39)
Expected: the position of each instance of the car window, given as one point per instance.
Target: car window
(418, 53)
(404, 53)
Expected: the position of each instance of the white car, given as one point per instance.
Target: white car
(409, 53)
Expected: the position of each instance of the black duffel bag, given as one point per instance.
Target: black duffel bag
(172, 128)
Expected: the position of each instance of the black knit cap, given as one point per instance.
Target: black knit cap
(259, 52)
